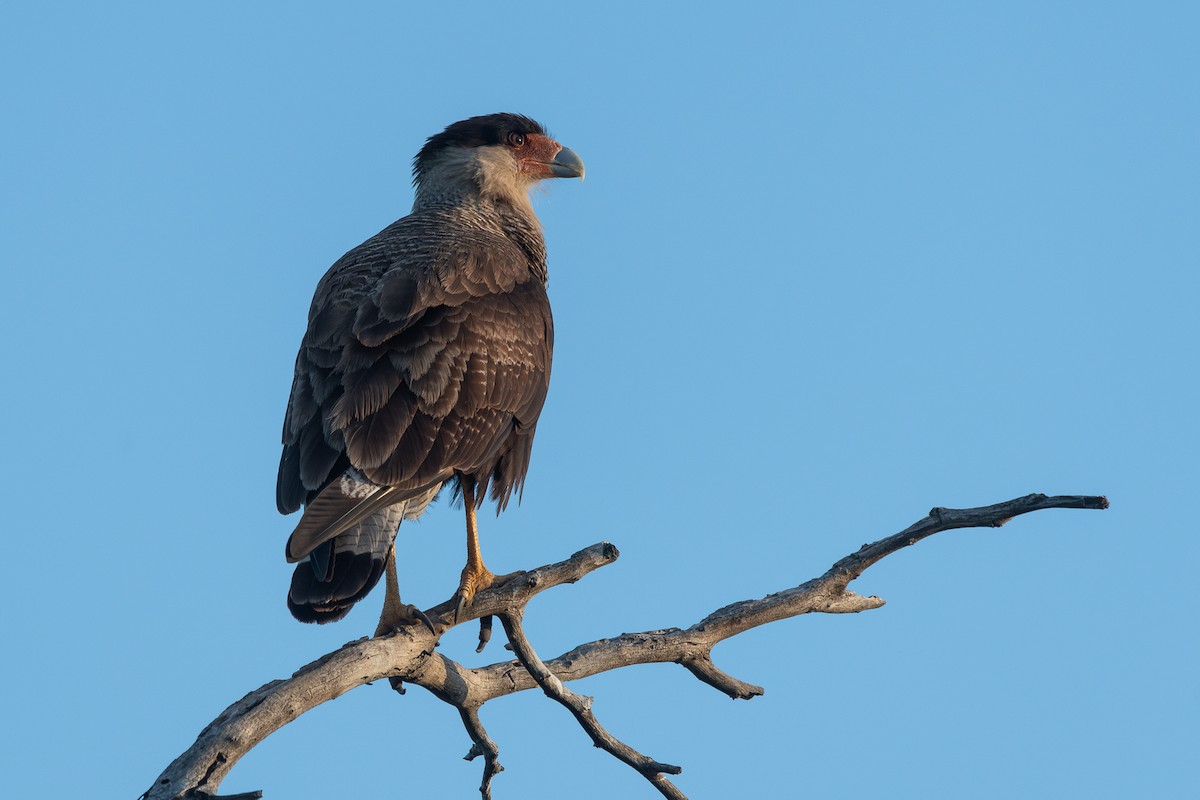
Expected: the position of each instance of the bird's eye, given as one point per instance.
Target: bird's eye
(516, 139)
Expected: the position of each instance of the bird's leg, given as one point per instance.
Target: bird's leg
(475, 575)
(396, 613)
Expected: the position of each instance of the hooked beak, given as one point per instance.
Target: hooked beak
(566, 164)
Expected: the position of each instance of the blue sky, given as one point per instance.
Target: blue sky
(833, 264)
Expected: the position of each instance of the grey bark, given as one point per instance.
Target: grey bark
(408, 655)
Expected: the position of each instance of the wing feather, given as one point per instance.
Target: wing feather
(427, 355)
(373, 439)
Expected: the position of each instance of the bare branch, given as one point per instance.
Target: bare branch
(944, 519)
(581, 707)
(409, 655)
(482, 746)
(704, 669)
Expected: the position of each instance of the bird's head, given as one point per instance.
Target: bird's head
(499, 154)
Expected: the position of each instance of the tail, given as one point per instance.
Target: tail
(343, 570)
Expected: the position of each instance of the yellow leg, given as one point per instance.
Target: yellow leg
(395, 611)
(475, 575)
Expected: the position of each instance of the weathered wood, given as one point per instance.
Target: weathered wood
(409, 656)
(581, 707)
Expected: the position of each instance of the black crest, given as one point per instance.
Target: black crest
(474, 132)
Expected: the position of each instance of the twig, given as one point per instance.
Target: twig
(482, 745)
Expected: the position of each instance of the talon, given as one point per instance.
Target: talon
(485, 632)
(473, 580)
(420, 615)
(402, 617)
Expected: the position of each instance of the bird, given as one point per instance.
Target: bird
(424, 366)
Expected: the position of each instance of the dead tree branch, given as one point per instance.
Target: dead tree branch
(581, 707)
(409, 655)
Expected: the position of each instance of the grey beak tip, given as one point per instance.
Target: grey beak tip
(567, 164)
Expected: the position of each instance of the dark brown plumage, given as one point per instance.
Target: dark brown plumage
(426, 360)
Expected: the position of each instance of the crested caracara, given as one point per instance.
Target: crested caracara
(425, 364)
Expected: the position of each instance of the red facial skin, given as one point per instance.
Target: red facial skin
(536, 154)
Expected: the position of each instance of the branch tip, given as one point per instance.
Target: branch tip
(706, 671)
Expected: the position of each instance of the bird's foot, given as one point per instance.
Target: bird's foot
(471, 584)
(472, 581)
(466, 595)
(402, 615)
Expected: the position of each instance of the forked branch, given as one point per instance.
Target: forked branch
(409, 655)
